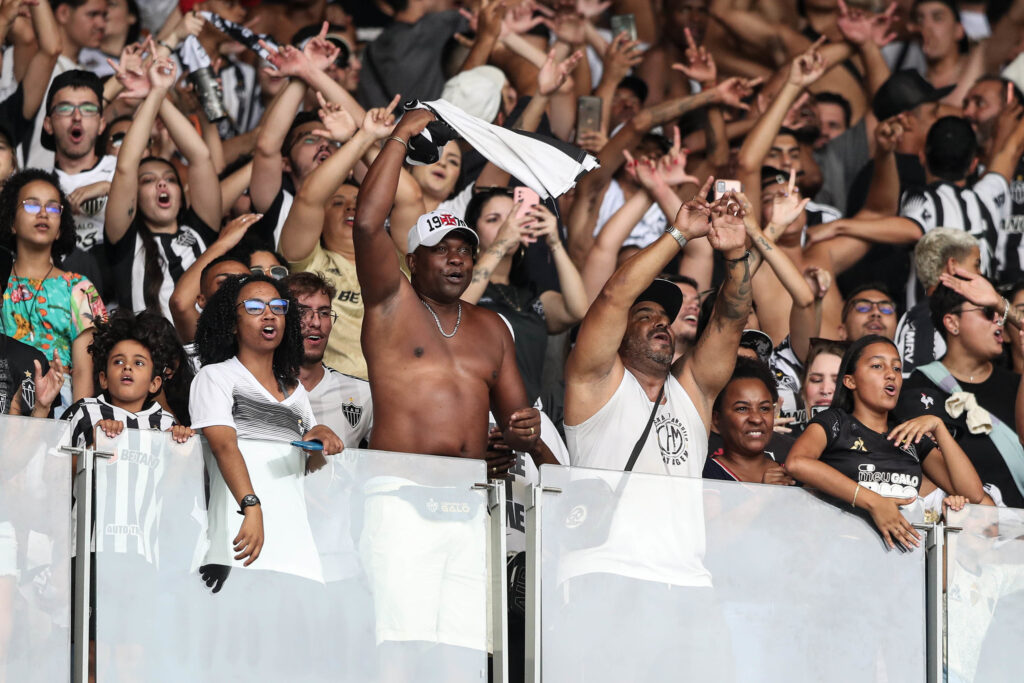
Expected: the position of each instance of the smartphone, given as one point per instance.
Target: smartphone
(528, 197)
(723, 186)
(624, 22)
(588, 114)
(314, 445)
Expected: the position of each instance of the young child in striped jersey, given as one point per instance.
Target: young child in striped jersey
(130, 361)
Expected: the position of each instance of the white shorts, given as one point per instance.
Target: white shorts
(428, 578)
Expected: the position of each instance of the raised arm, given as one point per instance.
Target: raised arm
(510, 235)
(567, 307)
(594, 368)
(304, 225)
(124, 188)
(376, 262)
(707, 370)
(884, 191)
(268, 159)
(603, 256)
(37, 77)
(203, 184)
(1007, 154)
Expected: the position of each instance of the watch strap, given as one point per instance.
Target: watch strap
(676, 235)
(247, 501)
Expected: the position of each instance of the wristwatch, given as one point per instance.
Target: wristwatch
(247, 501)
(676, 235)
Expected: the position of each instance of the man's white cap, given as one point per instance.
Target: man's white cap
(477, 91)
(432, 227)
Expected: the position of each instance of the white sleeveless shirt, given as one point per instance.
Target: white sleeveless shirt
(657, 531)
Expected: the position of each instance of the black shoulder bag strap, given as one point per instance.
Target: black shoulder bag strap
(647, 430)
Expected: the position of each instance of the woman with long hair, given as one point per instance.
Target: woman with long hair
(250, 344)
(152, 233)
(855, 453)
(44, 306)
(500, 285)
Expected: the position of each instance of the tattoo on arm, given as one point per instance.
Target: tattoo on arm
(672, 109)
(736, 294)
(131, 210)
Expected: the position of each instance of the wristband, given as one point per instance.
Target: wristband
(163, 44)
(745, 256)
(676, 235)
(395, 137)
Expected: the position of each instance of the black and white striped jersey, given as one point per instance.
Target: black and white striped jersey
(1010, 247)
(342, 402)
(127, 506)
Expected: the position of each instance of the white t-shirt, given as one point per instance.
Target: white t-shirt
(89, 223)
(227, 394)
(657, 530)
(95, 60)
(342, 402)
(650, 227)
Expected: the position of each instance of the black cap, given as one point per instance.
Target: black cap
(758, 342)
(75, 78)
(665, 293)
(904, 91)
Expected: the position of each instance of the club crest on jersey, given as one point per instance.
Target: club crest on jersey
(352, 412)
(927, 401)
(185, 239)
(858, 445)
(671, 440)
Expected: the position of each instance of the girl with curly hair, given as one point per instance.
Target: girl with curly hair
(44, 306)
(250, 406)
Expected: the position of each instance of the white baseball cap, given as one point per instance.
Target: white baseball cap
(432, 227)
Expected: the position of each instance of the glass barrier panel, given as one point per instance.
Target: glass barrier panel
(373, 568)
(657, 578)
(985, 594)
(35, 551)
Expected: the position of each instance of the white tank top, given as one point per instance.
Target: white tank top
(677, 443)
(657, 531)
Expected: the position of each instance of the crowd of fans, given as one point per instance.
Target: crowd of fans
(799, 261)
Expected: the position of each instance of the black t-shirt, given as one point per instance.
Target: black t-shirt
(12, 119)
(870, 459)
(17, 371)
(996, 395)
(525, 313)
(777, 449)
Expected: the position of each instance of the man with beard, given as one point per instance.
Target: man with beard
(340, 401)
(684, 327)
(73, 122)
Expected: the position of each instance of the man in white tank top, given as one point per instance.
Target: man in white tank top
(652, 559)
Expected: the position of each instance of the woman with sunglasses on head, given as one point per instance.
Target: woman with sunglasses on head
(857, 453)
(966, 389)
(153, 231)
(250, 344)
(44, 306)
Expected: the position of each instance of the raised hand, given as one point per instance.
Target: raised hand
(515, 230)
(592, 8)
(319, 51)
(130, 73)
(732, 91)
(728, 232)
(809, 66)
(190, 25)
(643, 171)
(491, 17)
(881, 25)
(621, 56)
(568, 27)
(787, 206)
(48, 386)
(544, 224)
(593, 141)
(700, 65)
(889, 133)
(819, 280)
(413, 122)
(287, 60)
(338, 123)
(521, 18)
(380, 121)
(232, 233)
(694, 217)
(553, 75)
(672, 166)
(973, 287)
(163, 73)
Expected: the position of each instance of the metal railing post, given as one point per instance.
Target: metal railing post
(935, 617)
(499, 580)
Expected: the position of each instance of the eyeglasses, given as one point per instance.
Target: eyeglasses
(865, 306)
(276, 272)
(306, 313)
(989, 312)
(314, 141)
(34, 206)
(257, 306)
(65, 109)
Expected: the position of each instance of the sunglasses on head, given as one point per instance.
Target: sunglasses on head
(257, 306)
(276, 272)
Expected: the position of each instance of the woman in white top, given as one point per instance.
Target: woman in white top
(250, 345)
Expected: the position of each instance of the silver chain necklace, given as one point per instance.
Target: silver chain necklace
(458, 320)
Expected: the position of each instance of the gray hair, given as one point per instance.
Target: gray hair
(936, 248)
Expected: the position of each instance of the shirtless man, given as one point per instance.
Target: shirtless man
(430, 356)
